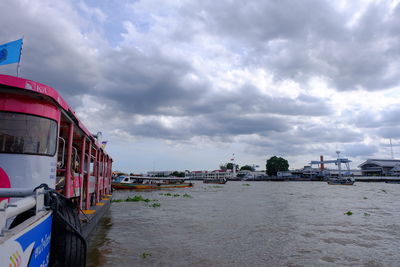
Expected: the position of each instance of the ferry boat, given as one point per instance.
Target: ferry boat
(341, 181)
(55, 177)
(154, 183)
(215, 181)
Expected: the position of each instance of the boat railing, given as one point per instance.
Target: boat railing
(29, 199)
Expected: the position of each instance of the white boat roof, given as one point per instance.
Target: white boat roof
(154, 178)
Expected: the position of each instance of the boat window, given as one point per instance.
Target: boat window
(119, 179)
(27, 134)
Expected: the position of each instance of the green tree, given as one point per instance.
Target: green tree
(178, 174)
(228, 166)
(246, 168)
(276, 164)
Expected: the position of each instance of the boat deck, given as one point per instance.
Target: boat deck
(90, 218)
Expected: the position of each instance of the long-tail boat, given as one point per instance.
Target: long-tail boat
(141, 182)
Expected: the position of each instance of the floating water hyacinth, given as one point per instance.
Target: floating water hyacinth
(349, 213)
(366, 214)
(246, 184)
(155, 205)
(145, 255)
(187, 195)
(134, 199)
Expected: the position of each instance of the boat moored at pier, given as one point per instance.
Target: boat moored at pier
(55, 177)
(141, 182)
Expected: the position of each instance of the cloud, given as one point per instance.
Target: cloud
(350, 49)
(229, 72)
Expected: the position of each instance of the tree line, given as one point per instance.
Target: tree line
(273, 166)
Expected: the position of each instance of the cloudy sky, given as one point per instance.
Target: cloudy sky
(177, 85)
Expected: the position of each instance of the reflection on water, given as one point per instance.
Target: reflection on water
(264, 224)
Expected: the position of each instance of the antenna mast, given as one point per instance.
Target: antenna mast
(391, 148)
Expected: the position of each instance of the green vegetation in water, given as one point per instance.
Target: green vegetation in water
(166, 194)
(176, 195)
(145, 255)
(187, 195)
(366, 214)
(365, 198)
(217, 186)
(246, 184)
(155, 205)
(383, 190)
(349, 213)
(137, 199)
(134, 199)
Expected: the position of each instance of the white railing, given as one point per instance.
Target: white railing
(30, 199)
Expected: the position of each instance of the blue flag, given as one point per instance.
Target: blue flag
(10, 52)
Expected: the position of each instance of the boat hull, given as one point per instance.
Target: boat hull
(149, 186)
(340, 183)
(219, 181)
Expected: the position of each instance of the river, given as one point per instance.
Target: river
(253, 224)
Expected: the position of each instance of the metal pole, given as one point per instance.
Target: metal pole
(20, 55)
(68, 174)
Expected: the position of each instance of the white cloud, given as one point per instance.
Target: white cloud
(266, 78)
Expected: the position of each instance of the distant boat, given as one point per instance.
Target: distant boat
(341, 181)
(140, 182)
(215, 181)
(392, 181)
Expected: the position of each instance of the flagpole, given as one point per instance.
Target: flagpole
(20, 55)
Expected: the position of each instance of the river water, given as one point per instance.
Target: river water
(253, 224)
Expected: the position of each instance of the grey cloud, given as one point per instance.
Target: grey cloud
(389, 132)
(52, 53)
(146, 84)
(224, 126)
(294, 40)
(298, 40)
(387, 118)
(360, 150)
(249, 100)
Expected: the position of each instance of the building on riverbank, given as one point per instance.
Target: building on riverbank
(380, 167)
(215, 174)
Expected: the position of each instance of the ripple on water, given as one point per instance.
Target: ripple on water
(264, 224)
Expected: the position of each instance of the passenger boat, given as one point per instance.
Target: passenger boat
(341, 181)
(55, 177)
(141, 182)
(215, 181)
